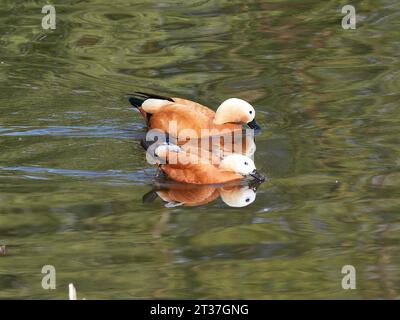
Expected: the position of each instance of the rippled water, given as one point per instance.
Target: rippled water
(72, 171)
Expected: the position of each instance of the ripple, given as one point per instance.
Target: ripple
(74, 131)
(115, 176)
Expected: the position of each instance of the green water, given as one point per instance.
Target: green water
(72, 172)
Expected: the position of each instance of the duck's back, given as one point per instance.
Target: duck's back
(197, 107)
(174, 118)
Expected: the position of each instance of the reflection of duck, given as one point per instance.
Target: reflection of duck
(196, 195)
(219, 146)
(160, 112)
(183, 166)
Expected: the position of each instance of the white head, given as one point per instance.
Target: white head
(238, 197)
(241, 164)
(235, 110)
(238, 163)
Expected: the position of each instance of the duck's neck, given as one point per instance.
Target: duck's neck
(228, 112)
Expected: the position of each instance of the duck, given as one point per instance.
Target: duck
(182, 166)
(182, 117)
(191, 195)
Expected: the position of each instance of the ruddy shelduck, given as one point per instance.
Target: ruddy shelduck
(176, 114)
(183, 166)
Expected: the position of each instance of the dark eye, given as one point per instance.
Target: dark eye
(251, 112)
(248, 199)
(246, 163)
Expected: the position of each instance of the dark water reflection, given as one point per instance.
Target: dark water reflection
(72, 172)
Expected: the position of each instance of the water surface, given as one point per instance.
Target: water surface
(72, 171)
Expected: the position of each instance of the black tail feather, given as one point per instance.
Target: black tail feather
(147, 142)
(138, 98)
(150, 196)
(136, 102)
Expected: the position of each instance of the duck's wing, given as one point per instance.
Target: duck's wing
(155, 102)
(196, 107)
(160, 112)
(153, 106)
(177, 120)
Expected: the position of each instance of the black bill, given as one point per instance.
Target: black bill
(254, 184)
(256, 175)
(254, 125)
